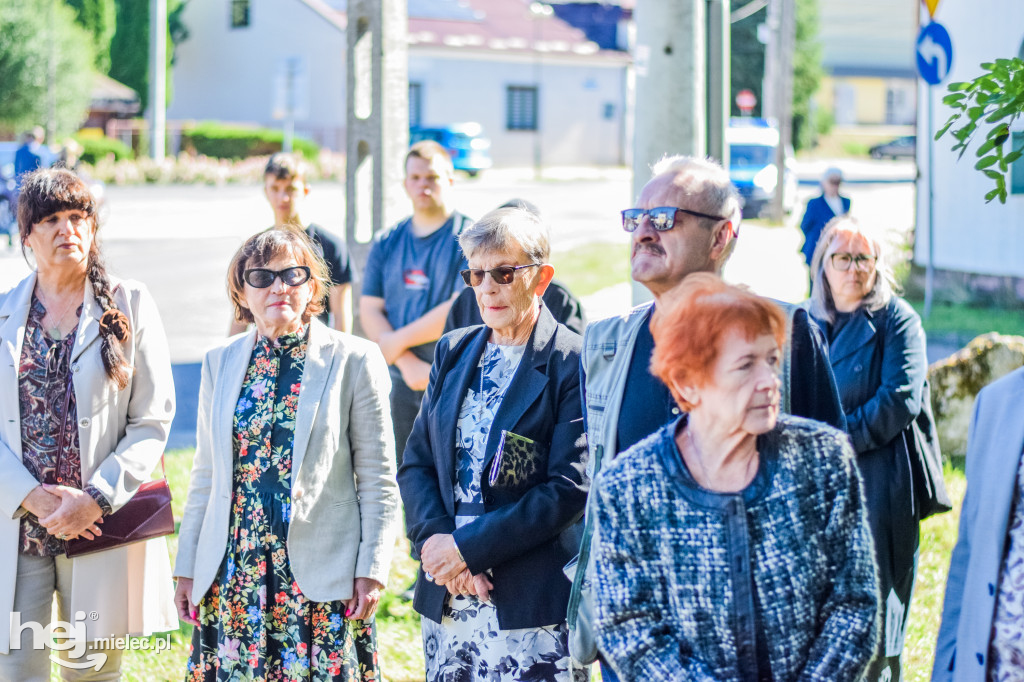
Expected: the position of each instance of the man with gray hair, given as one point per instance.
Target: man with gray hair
(685, 221)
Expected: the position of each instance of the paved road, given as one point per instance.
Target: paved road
(179, 239)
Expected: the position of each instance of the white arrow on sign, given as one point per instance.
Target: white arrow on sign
(934, 55)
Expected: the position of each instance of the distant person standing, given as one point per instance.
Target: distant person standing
(410, 280)
(822, 209)
(28, 158)
(286, 185)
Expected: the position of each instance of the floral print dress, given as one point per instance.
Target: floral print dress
(468, 644)
(1006, 650)
(255, 623)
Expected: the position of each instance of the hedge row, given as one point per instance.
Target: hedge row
(96, 148)
(233, 142)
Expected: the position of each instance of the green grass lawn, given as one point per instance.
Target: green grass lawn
(592, 267)
(968, 321)
(401, 654)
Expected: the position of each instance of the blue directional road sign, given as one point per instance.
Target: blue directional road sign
(934, 53)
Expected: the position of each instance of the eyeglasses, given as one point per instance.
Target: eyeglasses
(663, 218)
(261, 278)
(503, 274)
(861, 262)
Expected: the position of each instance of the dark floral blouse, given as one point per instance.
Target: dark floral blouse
(255, 622)
(48, 408)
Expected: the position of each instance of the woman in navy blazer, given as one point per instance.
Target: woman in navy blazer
(877, 351)
(822, 209)
(983, 588)
(491, 477)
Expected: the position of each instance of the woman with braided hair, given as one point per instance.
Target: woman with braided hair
(86, 399)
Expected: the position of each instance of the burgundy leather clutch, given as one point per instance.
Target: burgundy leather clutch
(147, 515)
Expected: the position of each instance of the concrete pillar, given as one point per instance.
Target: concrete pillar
(377, 120)
(719, 78)
(157, 78)
(671, 88)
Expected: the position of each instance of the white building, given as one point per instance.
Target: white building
(970, 235)
(531, 80)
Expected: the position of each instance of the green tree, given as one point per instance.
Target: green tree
(98, 18)
(747, 65)
(994, 100)
(32, 32)
(129, 49)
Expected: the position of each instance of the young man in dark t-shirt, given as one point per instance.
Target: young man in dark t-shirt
(410, 280)
(285, 187)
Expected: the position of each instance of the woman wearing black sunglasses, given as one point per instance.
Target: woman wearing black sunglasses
(287, 534)
(491, 476)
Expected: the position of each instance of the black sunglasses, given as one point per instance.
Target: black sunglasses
(503, 274)
(663, 218)
(261, 278)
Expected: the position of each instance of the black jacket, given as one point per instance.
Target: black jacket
(880, 367)
(813, 390)
(524, 537)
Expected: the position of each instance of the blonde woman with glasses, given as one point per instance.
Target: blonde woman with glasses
(877, 352)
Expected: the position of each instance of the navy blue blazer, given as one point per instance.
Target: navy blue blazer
(524, 537)
(816, 216)
(813, 390)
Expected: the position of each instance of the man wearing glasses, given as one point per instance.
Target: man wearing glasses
(822, 209)
(685, 222)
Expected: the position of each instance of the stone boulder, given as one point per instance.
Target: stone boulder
(955, 383)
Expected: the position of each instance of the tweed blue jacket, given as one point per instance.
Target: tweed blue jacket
(777, 579)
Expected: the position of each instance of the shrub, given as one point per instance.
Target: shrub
(236, 142)
(96, 148)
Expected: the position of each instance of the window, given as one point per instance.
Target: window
(522, 107)
(239, 13)
(1017, 167)
(415, 104)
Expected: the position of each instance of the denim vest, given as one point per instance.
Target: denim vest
(607, 352)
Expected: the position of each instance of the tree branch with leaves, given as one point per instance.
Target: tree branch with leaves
(996, 99)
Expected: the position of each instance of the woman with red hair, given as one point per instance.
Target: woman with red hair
(732, 544)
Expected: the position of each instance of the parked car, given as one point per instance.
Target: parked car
(752, 145)
(901, 148)
(465, 143)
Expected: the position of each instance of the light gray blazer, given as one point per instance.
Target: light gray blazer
(994, 447)
(344, 495)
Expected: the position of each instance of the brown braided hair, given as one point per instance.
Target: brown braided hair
(51, 190)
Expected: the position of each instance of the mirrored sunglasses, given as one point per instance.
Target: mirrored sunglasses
(663, 218)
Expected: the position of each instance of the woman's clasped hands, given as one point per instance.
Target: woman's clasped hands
(443, 564)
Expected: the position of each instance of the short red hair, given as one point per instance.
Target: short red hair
(688, 331)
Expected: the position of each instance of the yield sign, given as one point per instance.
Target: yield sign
(931, 4)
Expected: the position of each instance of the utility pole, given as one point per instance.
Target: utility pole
(719, 78)
(157, 78)
(671, 88)
(783, 97)
(377, 120)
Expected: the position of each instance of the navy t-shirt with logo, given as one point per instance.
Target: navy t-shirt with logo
(415, 274)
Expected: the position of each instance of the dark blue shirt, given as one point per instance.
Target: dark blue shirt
(415, 274)
(647, 404)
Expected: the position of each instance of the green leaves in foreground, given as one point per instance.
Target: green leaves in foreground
(995, 99)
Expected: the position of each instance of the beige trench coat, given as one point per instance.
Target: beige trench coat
(122, 435)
